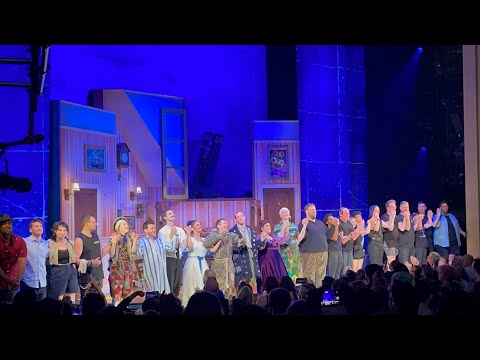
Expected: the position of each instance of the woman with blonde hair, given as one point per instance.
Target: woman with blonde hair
(290, 252)
(121, 246)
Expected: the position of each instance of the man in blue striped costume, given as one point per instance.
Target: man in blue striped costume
(154, 258)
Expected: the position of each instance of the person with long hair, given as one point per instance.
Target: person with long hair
(195, 265)
(63, 277)
(122, 246)
(375, 246)
(289, 252)
(269, 258)
(358, 251)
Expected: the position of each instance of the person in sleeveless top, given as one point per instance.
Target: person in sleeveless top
(375, 246)
(90, 253)
(63, 277)
(269, 258)
(195, 265)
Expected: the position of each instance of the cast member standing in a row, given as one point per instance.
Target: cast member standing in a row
(391, 234)
(290, 251)
(222, 244)
(375, 236)
(195, 265)
(358, 251)
(313, 245)
(348, 235)
(153, 250)
(269, 258)
(122, 246)
(63, 277)
(334, 239)
(170, 232)
(245, 258)
(424, 233)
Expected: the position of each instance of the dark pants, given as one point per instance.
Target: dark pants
(174, 274)
(6, 296)
(404, 253)
(41, 292)
(445, 251)
(63, 280)
(85, 289)
(430, 245)
(375, 252)
(347, 260)
(421, 255)
(335, 263)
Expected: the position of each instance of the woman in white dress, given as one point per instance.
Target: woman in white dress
(195, 265)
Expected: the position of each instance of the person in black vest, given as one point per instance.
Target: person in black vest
(87, 248)
(245, 258)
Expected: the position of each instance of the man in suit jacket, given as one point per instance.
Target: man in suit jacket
(245, 259)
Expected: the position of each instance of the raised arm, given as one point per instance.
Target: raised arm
(168, 243)
(134, 242)
(390, 224)
(188, 231)
(334, 236)
(113, 244)
(212, 240)
(405, 225)
(417, 222)
(436, 221)
(301, 235)
(105, 249)
(283, 235)
(429, 222)
(365, 230)
(276, 229)
(182, 239)
(237, 242)
(374, 223)
(278, 240)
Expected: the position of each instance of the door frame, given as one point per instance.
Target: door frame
(71, 209)
(296, 196)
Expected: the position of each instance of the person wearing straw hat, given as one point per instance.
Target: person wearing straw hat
(13, 259)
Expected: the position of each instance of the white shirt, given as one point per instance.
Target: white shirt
(179, 240)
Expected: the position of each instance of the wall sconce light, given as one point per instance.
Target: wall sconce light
(132, 193)
(67, 192)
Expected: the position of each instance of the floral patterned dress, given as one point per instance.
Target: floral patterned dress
(290, 252)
